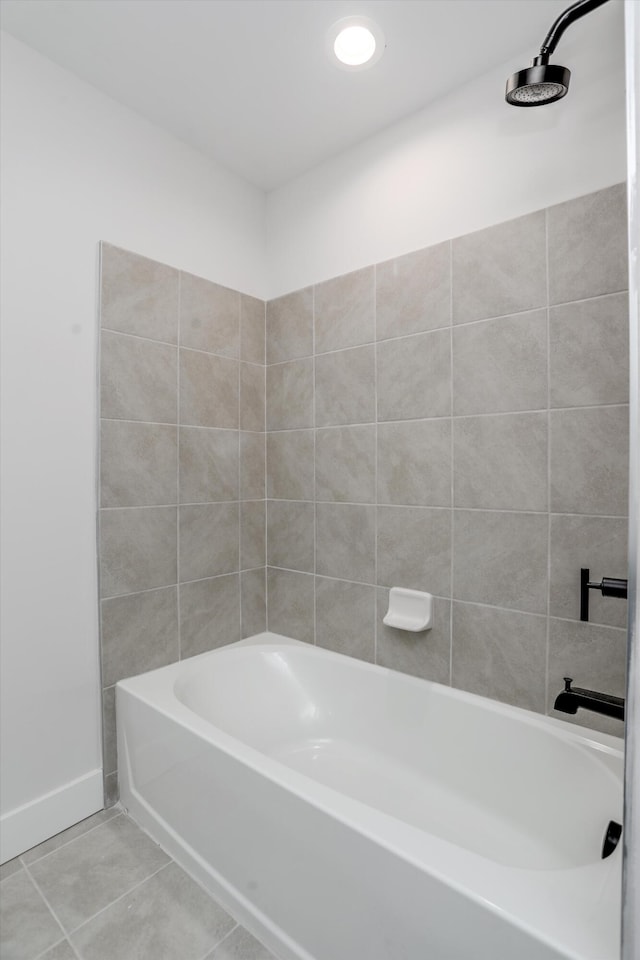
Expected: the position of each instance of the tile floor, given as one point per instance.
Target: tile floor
(103, 890)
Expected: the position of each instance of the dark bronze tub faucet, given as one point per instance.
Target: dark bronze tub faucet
(572, 698)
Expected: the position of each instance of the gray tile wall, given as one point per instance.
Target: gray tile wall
(455, 420)
(182, 470)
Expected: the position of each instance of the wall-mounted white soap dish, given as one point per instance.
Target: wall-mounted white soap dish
(409, 610)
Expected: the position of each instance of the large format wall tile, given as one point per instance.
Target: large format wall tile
(253, 600)
(500, 270)
(290, 465)
(345, 617)
(209, 316)
(138, 295)
(588, 245)
(500, 462)
(345, 541)
(291, 604)
(209, 465)
(413, 292)
(346, 464)
(501, 559)
(137, 379)
(209, 536)
(414, 549)
(139, 633)
(252, 466)
(138, 549)
(588, 352)
(290, 326)
(290, 395)
(138, 464)
(253, 533)
(414, 463)
(252, 329)
(589, 460)
(290, 535)
(414, 377)
(209, 390)
(344, 311)
(345, 387)
(209, 614)
(500, 366)
(500, 654)
(252, 397)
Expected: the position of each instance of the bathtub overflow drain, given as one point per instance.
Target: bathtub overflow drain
(611, 837)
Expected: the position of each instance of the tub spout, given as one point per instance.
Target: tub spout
(573, 697)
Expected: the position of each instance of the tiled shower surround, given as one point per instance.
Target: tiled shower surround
(182, 470)
(454, 420)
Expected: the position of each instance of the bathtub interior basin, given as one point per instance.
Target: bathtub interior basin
(512, 792)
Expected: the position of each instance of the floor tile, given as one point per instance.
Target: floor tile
(169, 917)
(77, 830)
(61, 951)
(9, 868)
(87, 875)
(240, 945)
(27, 927)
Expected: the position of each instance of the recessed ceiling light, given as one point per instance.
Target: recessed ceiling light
(356, 42)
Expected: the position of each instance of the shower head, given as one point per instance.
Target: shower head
(544, 82)
(540, 83)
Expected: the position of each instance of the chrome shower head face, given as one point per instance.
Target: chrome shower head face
(539, 84)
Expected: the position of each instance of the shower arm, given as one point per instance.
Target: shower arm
(569, 16)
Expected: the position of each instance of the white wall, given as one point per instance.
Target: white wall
(463, 163)
(77, 168)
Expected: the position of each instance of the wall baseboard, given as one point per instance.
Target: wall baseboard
(36, 821)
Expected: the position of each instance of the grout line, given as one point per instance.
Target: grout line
(457, 325)
(137, 336)
(127, 893)
(150, 423)
(80, 835)
(44, 954)
(169, 506)
(50, 908)
(218, 943)
(458, 416)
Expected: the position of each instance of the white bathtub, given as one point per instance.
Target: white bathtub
(342, 811)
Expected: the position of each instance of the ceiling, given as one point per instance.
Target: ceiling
(250, 84)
